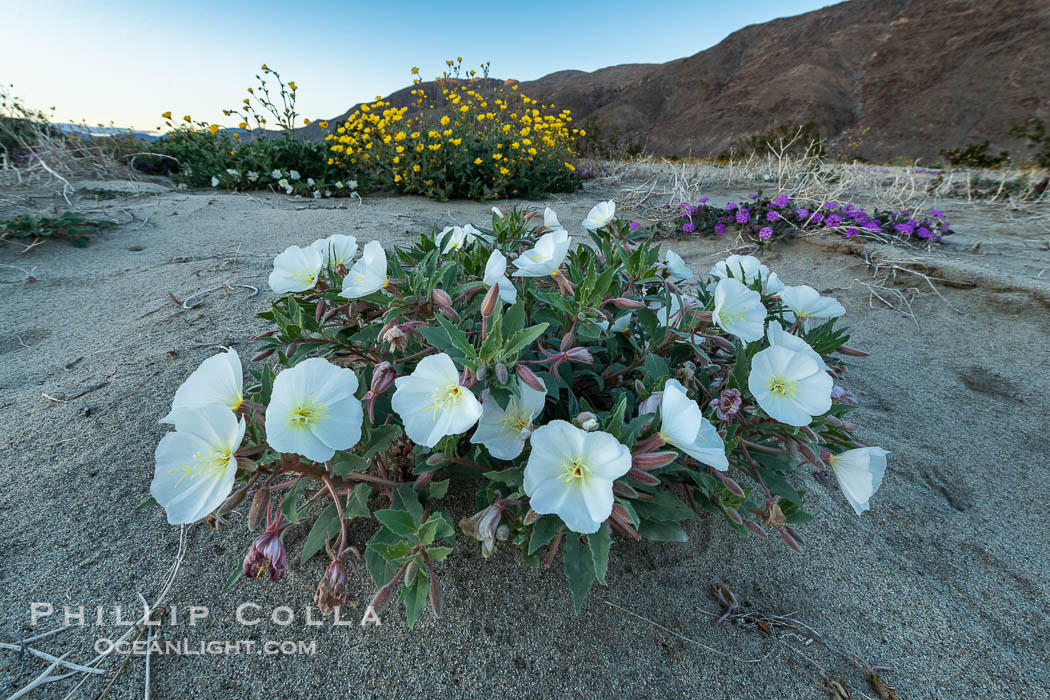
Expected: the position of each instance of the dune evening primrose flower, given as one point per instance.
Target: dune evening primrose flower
(676, 266)
(739, 310)
(497, 211)
(457, 237)
(267, 554)
(496, 273)
(503, 432)
(807, 303)
(218, 381)
(313, 411)
(778, 337)
(748, 270)
(543, 259)
(368, 274)
(671, 315)
(431, 402)
(295, 270)
(550, 219)
(859, 473)
(196, 465)
(570, 473)
(253, 176)
(294, 174)
(683, 425)
(789, 386)
(283, 182)
(337, 249)
(601, 214)
(214, 181)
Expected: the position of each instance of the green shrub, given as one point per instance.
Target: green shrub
(1034, 130)
(975, 155)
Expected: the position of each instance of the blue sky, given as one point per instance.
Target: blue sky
(129, 61)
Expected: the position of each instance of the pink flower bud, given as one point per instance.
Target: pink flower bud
(257, 511)
(568, 340)
(319, 311)
(488, 304)
(704, 316)
(263, 355)
(730, 484)
(580, 354)
(643, 477)
(586, 420)
(529, 377)
(653, 460)
(851, 351)
(441, 297)
(383, 376)
(331, 589)
(754, 528)
(267, 554)
(722, 342)
(626, 303)
(622, 488)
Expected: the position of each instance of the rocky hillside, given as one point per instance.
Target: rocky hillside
(879, 78)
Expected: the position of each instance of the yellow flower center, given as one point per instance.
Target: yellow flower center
(782, 386)
(446, 396)
(516, 421)
(306, 412)
(575, 470)
(211, 464)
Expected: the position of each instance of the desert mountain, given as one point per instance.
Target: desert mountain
(878, 78)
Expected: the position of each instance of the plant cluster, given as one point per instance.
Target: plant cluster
(766, 221)
(785, 140)
(468, 137)
(974, 155)
(584, 394)
(1035, 133)
(68, 226)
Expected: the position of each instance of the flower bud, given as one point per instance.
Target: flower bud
(643, 477)
(722, 342)
(451, 313)
(730, 484)
(331, 589)
(436, 459)
(411, 571)
(843, 350)
(488, 304)
(248, 465)
(790, 541)
(704, 316)
(423, 480)
(622, 488)
(734, 516)
(481, 372)
(754, 528)
(532, 516)
(267, 554)
(529, 377)
(580, 354)
(651, 404)
(319, 311)
(332, 312)
(843, 396)
(586, 420)
(441, 297)
(500, 372)
(383, 376)
(626, 303)
(259, 507)
(380, 600)
(263, 355)
(653, 460)
(568, 340)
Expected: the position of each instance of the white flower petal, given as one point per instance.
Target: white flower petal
(739, 310)
(431, 402)
(859, 473)
(368, 274)
(218, 380)
(295, 270)
(337, 249)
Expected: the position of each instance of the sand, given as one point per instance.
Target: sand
(945, 579)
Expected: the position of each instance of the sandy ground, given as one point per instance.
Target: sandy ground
(945, 579)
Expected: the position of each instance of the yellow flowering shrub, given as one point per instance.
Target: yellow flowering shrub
(468, 136)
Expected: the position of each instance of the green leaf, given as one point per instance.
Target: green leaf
(379, 440)
(600, 542)
(579, 568)
(438, 489)
(400, 522)
(544, 530)
(326, 526)
(655, 367)
(662, 531)
(381, 569)
(414, 596)
(664, 506)
(236, 576)
(438, 553)
(407, 498)
(458, 338)
(614, 424)
(148, 503)
(521, 339)
(345, 463)
(290, 502)
(512, 476)
(357, 504)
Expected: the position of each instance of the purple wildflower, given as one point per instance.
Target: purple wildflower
(772, 215)
(753, 195)
(818, 218)
(688, 228)
(923, 232)
(731, 206)
(635, 226)
(830, 205)
(766, 233)
(782, 201)
(727, 404)
(802, 213)
(743, 216)
(937, 212)
(851, 232)
(702, 200)
(720, 228)
(833, 220)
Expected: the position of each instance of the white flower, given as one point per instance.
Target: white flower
(252, 176)
(339, 185)
(739, 310)
(747, 269)
(859, 473)
(313, 411)
(295, 270)
(684, 426)
(352, 184)
(276, 174)
(543, 259)
(496, 273)
(619, 325)
(218, 381)
(233, 172)
(310, 181)
(550, 220)
(431, 402)
(457, 236)
(504, 432)
(676, 266)
(570, 473)
(497, 212)
(289, 190)
(600, 215)
(779, 337)
(294, 174)
(337, 249)
(368, 274)
(196, 465)
(807, 303)
(283, 183)
(317, 194)
(672, 315)
(214, 181)
(789, 385)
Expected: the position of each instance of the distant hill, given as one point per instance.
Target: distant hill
(878, 78)
(102, 131)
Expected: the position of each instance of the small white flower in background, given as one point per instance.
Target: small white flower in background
(352, 184)
(431, 402)
(859, 473)
(317, 194)
(214, 181)
(748, 270)
(339, 185)
(310, 181)
(808, 304)
(253, 176)
(457, 237)
(196, 465)
(789, 385)
(183, 186)
(496, 273)
(337, 249)
(543, 259)
(672, 315)
(619, 325)
(683, 425)
(570, 474)
(368, 274)
(282, 183)
(276, 174)
(231, 171)
(739, 310)
(676, 266)
(600, 215)
(313, 411)
(289, 190)
(651, 404)
(497, 211)
(550, 220)
(779, 337)
(294, 174)
(503, 432)
(295, 270)
(218, 381)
